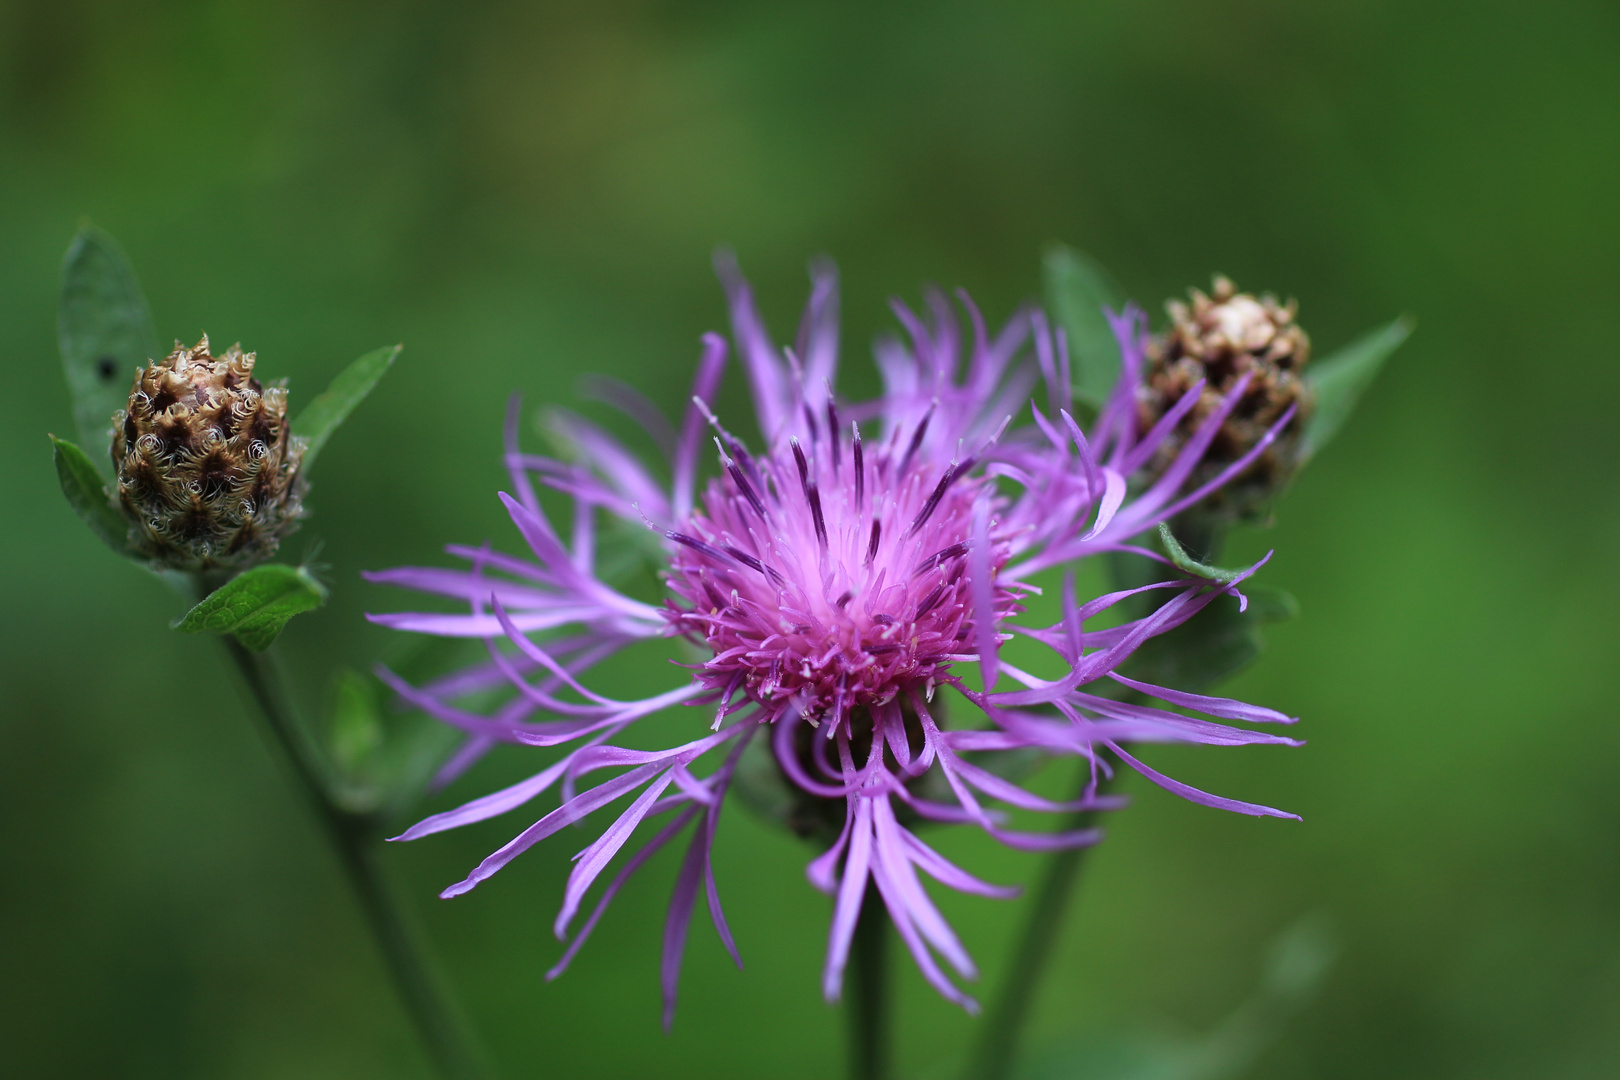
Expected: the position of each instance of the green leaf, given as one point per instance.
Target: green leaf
(381, 763)
(105, 331)
(356, 732)
(88, 496)
(255, 604)
(1340, 379)
(1077, 290)
(322, 416)
(1184, 561)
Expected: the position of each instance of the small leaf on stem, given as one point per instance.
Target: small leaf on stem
(1077, 290)
(357, 729)
(1339, 381)
(105, 332)
(88, 496)
(1184, 561)
(322, 416)
(255, 604)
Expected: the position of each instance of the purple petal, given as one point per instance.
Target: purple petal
(594, 859)
(679, 920)
(664, 836)
(891, 851)
(851, 890)
(613, 461)
(983, 583)
(754, 349)
(519, 475)
(951, 875)
(489, 805)
(704, 386)
(1203, 798)
(463, 585)
(900, 916)
(570, 812)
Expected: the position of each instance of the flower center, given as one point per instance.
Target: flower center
(831, 576)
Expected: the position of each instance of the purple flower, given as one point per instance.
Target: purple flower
(834, 581)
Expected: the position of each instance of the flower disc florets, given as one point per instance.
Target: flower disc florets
(1217, 340)
(832, 576)
(207, 468)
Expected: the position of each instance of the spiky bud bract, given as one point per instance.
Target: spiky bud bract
(1222, 339)
(208, 470)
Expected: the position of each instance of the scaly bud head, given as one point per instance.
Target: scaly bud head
(207, 469)
(1220, 338)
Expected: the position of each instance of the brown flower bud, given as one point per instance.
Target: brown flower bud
(1220, 338)
(207, 468)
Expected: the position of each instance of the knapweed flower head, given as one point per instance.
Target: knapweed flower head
(208, 472)
(866, 555)
(1216, 340)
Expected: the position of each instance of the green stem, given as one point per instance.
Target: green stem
(995, 1053)
(353, 840)
(868, 1010)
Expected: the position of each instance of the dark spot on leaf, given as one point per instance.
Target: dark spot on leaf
(107, 368)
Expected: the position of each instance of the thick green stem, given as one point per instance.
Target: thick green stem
(868, 1009)
(994, 1055)
(353, 839)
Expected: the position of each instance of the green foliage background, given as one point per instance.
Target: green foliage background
(522, 193)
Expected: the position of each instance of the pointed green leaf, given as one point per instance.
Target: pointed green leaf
(87, 494)
(322, 416)
(1340, 379)
(255, 604)
(381, 763)
(105, 332)
(1077, 290)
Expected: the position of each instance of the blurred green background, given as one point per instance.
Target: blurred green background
(522, 193)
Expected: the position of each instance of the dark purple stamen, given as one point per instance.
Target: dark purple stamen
(860, 470)
(832, 434)
(745, 558)
(746, 488)
(738, 451)
(842, 600)
(810, 423)
(872, 544)
(804, 466)
(930, 600)
(939, 558)
(754, 564)
(879, 650)
(699, 546)
(813, 493)
(932, 504)
(916, 441)
(883, 620)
